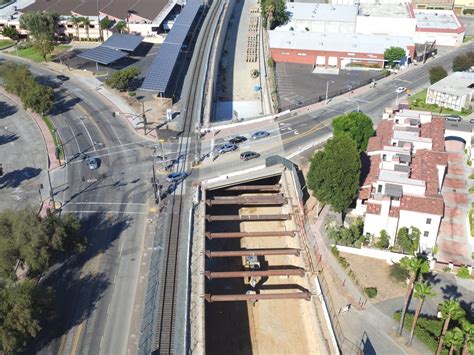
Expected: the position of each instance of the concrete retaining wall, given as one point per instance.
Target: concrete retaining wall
(389, 257)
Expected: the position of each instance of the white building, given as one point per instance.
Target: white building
(454, 92)
(407, 168)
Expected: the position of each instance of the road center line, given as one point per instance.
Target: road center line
(88, 133)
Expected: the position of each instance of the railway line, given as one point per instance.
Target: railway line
(166, 318)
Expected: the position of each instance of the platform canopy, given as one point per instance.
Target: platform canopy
(123, 42)
(159, 74)
(102, 55)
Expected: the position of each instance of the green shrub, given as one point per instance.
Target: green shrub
(132, 93)
(398, 273)
(343, 261)
(471, 176)
(463, 273)
(468, 11)
(469, 162)
(427, 329)
(371, 292)
(471, 190)
(447, 269)
(435, 251)
(384, 240)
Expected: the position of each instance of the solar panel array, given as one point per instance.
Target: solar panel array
(102, 55)
(124, 42)
(159, 74)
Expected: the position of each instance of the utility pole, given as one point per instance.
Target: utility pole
(51, 194)
(154, 182)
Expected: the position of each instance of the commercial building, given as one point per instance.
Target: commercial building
(408, 163)
(440, 26)
(463, 7)
(334, 50)
(454, 92)
(433, 4)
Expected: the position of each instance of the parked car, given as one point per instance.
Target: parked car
(249, 155)
(237, 139)
(400, 90)
(93, 163)
(227, 147)
(62, 77)
(453, 118)
(176, 177)
(260, 134)
(471, 120)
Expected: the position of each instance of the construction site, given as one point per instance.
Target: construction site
(253, 285)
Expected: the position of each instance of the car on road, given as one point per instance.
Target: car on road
(92, 163)
(471, 120)
(227, 147)
(176, 177)
(62, 77)
(453, 118)
(260, 134)
(237, 140)
(249, 155)
(400, 90)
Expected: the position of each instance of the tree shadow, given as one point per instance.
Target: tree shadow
(16, 177)
(63, 103)
(79, 285)
(469, 308)
(6, 109)
(48, 80)
(451, 292)
(8, 138)
(365, 167)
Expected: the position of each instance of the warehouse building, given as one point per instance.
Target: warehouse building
(442, 26)
(335, 50)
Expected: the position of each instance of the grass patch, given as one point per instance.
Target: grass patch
(51, 129)
(471, 176)
(471, 190)
(32, 54)
(468, 38)
(5, 43)
(427, 329)
(418, 102)
(471, 221)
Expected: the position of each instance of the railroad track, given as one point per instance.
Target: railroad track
(166, 313)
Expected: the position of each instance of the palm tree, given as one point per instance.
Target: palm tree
(86, 22)
(416, 266)
(454, 338)
(121, 26)
(422, 290)
(450, 310)
(75, 22)
(468, 329)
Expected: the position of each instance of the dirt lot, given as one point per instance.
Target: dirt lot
(374, 273)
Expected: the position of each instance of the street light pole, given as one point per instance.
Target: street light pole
(327, 90)
(51, 194)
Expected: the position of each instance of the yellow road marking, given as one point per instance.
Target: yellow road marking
(304, 134)
(61, 345)
(153, 209)
(77, 336)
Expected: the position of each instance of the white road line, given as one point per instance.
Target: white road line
(107, 203)
(116, 135)
(77, 143)
(105, 155)
(92, 142)
(118, 146)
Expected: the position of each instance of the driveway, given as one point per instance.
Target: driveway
(23, 159)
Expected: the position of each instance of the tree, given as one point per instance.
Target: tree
(122, 79)
(357, 125)
(450, 310)
(454, 339)
(437, 73)
(86, 22)
(468, 329)
(24, 306)
(334, 172)
(42, 27)
(408, 240)
(274, 12)
(121, 26)
(10, 32)
(105, 23)
(384, 240)
(463, 62)
(422, 291)
(393, 55)
(415, 266)
(43, 45)
(38, 97)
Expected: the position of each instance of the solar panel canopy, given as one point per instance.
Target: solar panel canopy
(102, 55)
(159, 74)
(124, 42)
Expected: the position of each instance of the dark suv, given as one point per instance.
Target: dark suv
(249, 155)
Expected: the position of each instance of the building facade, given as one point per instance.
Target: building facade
(454, 92)
(407, 168)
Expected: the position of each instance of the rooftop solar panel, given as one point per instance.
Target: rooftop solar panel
(162, 67)
(160, 71)
(124, 42)
(102, 55)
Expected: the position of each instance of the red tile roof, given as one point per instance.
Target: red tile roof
(382, 137)
(373, 208)
(364, 193)
(374, 170)
(435, 131)
(424, 168)
(422, 204)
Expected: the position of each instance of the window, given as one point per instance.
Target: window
(302, 54)
(428, 221)
(285, 53)
(69, 26)
(426, 234)
(91, 26)
(384, 157)
(379, 188)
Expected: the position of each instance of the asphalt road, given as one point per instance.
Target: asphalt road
(96, 290)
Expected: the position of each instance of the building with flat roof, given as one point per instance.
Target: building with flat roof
(334, 50)
(442, 26)
(433, 4)
(408, 163)
(454, 92)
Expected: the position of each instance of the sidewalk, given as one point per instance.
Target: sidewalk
(378, 328)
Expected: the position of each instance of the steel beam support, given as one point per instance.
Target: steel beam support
(249, 200)
(252, 252)
(258, 297)
(254, 188)
(249, 217)
(210, 235)
(258, 273)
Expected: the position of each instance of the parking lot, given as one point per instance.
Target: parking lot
(296, 83)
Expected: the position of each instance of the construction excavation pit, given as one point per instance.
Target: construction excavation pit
(258, 289)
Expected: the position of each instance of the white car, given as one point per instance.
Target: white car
(400, 90)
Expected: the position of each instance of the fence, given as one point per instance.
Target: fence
(331, 94)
